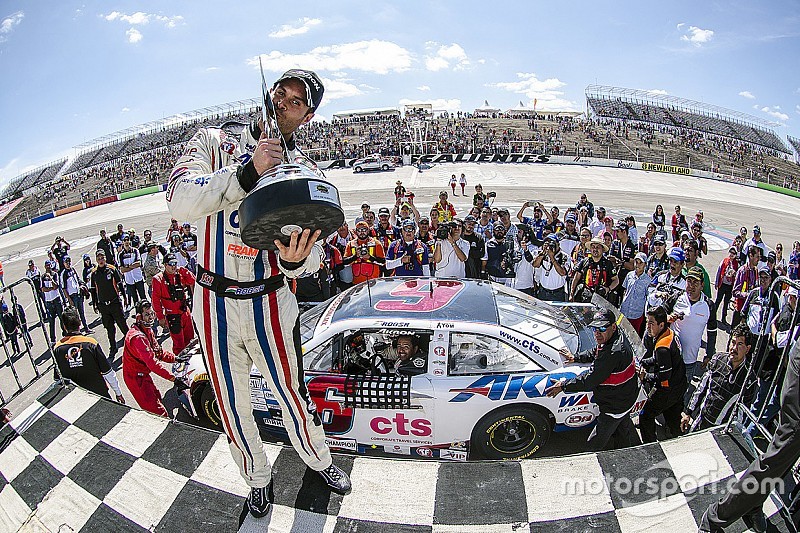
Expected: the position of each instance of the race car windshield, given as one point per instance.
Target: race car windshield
(310, 319)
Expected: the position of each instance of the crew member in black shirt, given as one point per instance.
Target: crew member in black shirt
(81, 359)
(613, 381)
(105, 284)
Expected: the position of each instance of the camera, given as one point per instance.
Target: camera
(491, 194)
(363, 249)
(443, 231)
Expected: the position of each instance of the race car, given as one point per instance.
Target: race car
(373, 162)
(439, 368)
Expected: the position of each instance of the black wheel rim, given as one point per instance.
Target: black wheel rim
(512, 436)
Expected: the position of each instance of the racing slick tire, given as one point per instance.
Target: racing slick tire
(514, 432)
(357, 169)
(209, 408)
(384, 167)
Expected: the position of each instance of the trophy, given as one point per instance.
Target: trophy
(287, 194)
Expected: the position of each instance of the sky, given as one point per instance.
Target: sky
(76, 71)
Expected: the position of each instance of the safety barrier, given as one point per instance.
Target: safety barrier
(20, 366)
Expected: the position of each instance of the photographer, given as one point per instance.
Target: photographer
(172, 292)
(500, 257)
(476, 258)
(408, 256)
(365, 254)
(550, 271)
(594, 274)
(451, 251)
(60, 248)
(403, 210)
(537, 222)
(526, 254)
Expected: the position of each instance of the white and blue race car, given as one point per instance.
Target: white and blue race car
(474, 387)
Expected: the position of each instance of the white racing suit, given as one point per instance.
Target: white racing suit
(236, 328)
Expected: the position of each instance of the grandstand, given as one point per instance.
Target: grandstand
(642, 106)
(795, 143)
(43, 174)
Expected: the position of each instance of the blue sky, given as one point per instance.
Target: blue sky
(75, 71)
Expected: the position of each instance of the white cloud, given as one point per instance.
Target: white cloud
(797, 109)
(288, 30)
(440, 57)
(134, 35)
(748, 95)
(545, 92)
(125, 109)
(439, 104)
(141, 17)
(8, 24)
(337, 89)
(379, 57)
(697, 36)
(423, 88)
(681, 25)
(212, 69)
(774, 112)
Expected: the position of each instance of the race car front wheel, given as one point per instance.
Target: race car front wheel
(209, 406)
(509, 433)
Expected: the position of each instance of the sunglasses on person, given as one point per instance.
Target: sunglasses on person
(601, 329)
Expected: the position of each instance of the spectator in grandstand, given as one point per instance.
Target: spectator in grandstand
(363, 216)
(462, 181)
(780, 260)
(500, 258)
(691, 312)
(130, 265)
(75, 289)
(551, 266)
(757, 242)
(35, 276)
(691, 252)
(450, 253)
(584, 202)
(10, 328)
(408, 256)
(145, 245)
(81, 359)
(452, 183)
(594, 274)
(60, 248)
(663, 372)
(479, 199)
(475, 265)
(52, 297)
(634, 297)
(597, 225)
(365, 254)
(107, 245)
(446, 211)
(793, 267)
(105, 287)
(117, 236)
(667, 283)
(679, 223)
(746, 279)
(142, 356)
(726, 275)
(172, 293)
(659, 218)
(484, 225)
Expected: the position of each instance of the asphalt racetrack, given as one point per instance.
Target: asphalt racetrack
(726, 207)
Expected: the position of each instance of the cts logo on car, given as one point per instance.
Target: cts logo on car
(508, 387)
(419, 427)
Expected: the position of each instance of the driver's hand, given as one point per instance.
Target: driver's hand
(268, 154)
(300, 246)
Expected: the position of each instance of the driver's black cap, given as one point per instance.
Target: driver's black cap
(602, 318)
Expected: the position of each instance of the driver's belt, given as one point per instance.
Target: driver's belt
(237, 290)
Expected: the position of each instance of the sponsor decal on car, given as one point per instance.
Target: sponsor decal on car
(438, 372)
(400, 425)
(424, 451)
(397, 448)
(499, 387)
(453, 455)
(342, 444)
(579, 419)
(574, 402)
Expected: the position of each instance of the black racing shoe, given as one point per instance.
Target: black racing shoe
(260, 501)
(336, 479)
(756, 520)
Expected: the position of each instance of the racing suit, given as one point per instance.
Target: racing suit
(243, 308)
(170, 304)
(141, 356)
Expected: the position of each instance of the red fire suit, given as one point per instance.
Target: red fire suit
(140, 356)
(169, 302)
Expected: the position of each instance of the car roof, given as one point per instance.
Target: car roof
(419, 298)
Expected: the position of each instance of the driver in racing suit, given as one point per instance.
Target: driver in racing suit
(243, 308)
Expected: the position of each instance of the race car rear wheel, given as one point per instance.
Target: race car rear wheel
(385, 167)
(510, 433)
(209, 406)
(358, 169)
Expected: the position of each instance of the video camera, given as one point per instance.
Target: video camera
(443, 231)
